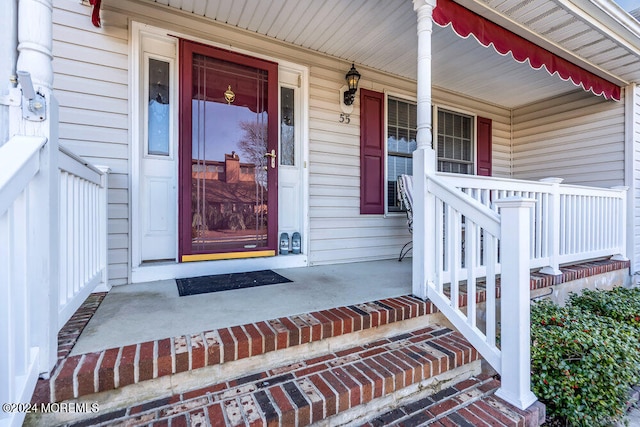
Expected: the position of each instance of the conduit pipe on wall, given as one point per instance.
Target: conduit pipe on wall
(9, 55)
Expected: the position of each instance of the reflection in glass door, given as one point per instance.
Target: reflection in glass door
(228, 155)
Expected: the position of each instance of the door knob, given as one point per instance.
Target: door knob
(272, 154)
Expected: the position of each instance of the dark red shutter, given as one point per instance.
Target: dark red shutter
(484, 146)
(371, 152)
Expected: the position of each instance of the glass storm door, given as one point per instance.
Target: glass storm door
(228, 150)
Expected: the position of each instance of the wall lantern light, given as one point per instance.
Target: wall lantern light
(352, 77)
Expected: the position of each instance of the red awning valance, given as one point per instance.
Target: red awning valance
(465, 22)
(95, 13)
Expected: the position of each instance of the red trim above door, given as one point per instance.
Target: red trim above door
(465, 22)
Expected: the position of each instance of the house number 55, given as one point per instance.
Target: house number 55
(345, 118)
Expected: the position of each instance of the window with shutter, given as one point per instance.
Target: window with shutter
(457, 142)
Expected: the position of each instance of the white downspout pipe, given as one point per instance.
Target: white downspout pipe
(9, 55)
(424, 158)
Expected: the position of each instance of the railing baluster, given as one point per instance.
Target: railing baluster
(6, 259)
(95, 228)
(607, 223)
(610, 224)
(82, 236)
(63, 220)
(470, 258)
(591, 243)
(454, 255)
(73, 221)
(490, 250)
(582, 235)
(441, 245)
(20, 284)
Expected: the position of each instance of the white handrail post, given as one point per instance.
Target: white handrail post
(104, 218)
(424, 268)
(622, 224)
(553, 221)
(515, 332)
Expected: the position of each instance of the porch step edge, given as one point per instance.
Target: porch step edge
(468, 403)
(309, 391)
(577, 271)
(114, 368)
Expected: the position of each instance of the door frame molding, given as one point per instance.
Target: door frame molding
(160, 271)
(136, 135)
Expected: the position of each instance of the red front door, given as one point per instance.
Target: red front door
(228, 148)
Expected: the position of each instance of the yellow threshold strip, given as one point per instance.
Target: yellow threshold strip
(228, 255)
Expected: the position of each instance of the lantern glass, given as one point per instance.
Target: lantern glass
(353, 77)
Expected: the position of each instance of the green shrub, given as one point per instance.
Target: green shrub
(620, 304)
(582, 364)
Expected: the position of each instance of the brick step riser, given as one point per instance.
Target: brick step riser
(425, 389)
(224, 353)
(339, 387)
(183, 381)
(467, 403)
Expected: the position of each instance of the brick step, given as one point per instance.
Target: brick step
(469, 403)
(274, 340)
(347, 386)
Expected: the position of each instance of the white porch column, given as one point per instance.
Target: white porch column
(35, 41)
(424, 159)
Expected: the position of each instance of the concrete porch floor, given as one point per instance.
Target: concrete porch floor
(148, 311)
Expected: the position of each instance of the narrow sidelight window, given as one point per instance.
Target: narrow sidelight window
(159, 108)
(287, 127)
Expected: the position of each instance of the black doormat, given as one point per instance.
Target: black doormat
(226, 282)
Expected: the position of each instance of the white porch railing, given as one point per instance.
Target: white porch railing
(569, 223)
(83, 232)
(34, 305)
(487, 226)
(19, 362)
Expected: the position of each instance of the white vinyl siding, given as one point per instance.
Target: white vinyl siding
(91, 86)
(578, 137)
(338, 232)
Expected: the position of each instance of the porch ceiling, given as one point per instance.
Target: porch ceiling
(382, 35)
